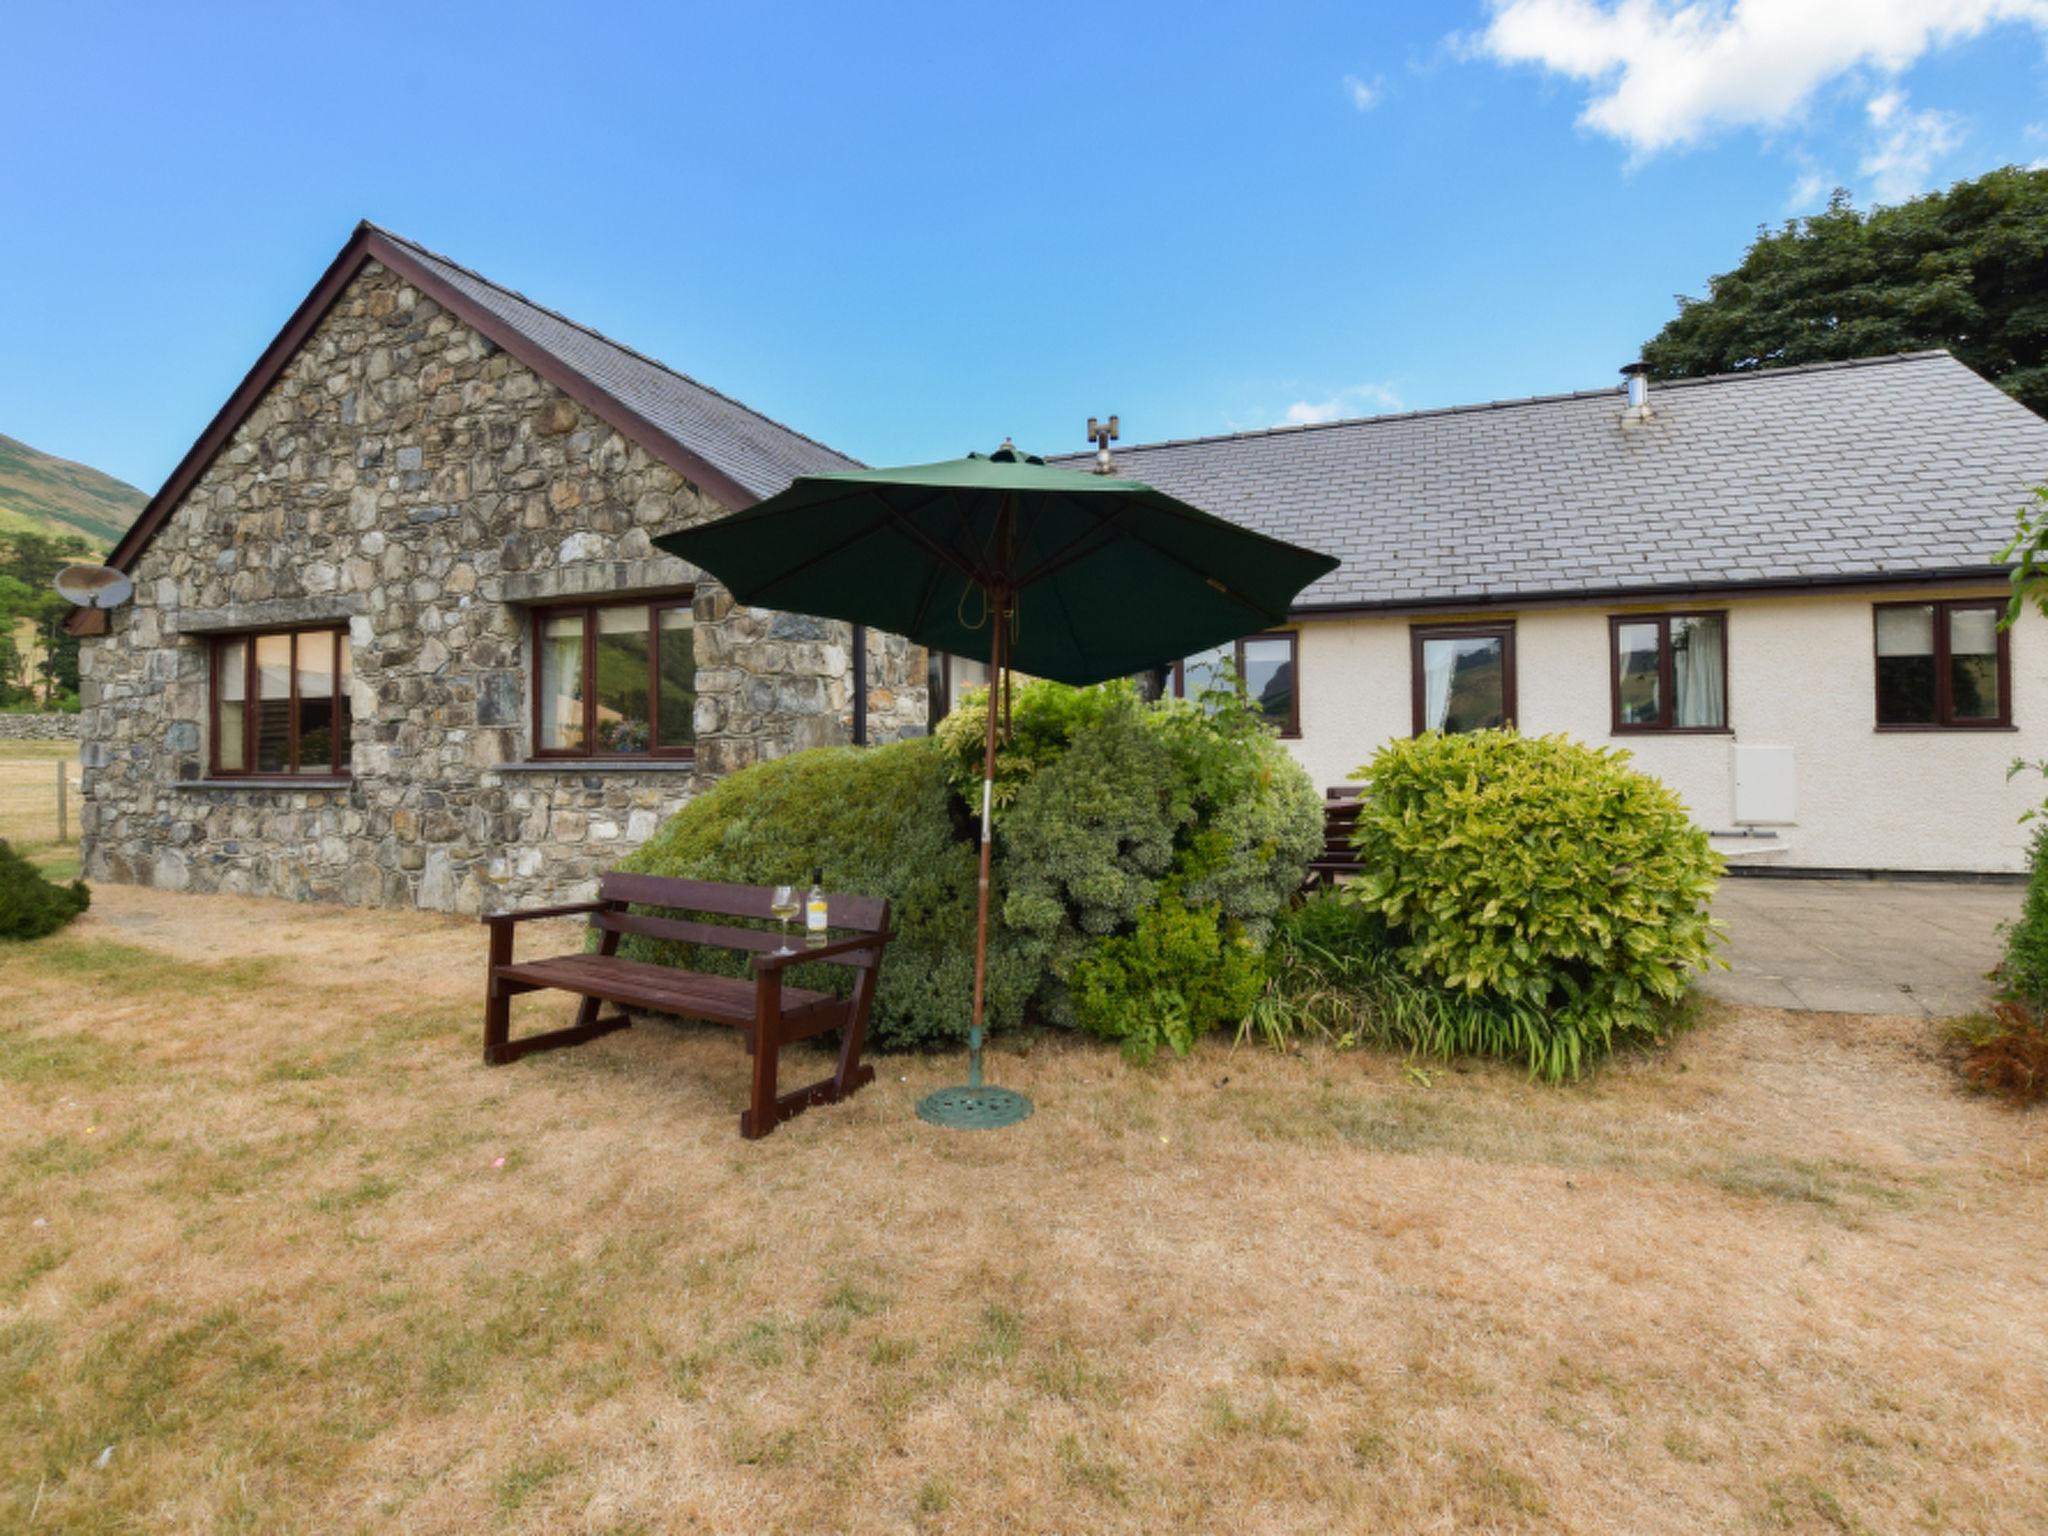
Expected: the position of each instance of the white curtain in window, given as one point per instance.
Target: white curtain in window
(1698, 672)
(1439, 661)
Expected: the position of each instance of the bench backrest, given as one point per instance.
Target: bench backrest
(850, 914)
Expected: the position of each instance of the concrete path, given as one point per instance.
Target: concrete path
(1861, 946)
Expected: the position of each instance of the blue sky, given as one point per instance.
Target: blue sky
(910, 230)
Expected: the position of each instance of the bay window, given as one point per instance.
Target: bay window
(279, 704)
(615, 680)
(1943, 665)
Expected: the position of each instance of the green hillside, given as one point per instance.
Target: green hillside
(43, 494)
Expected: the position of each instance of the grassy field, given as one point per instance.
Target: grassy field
(278, 1255)
(28, 803)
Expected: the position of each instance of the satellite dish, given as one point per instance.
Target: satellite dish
(94, 586)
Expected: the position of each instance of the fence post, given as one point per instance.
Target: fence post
(63, 787)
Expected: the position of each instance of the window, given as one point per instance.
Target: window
(1267, 666)
(280, 704)
(1670, 671)
(615, 680)
(1943, 665)
(1464, 677)
(946, 678)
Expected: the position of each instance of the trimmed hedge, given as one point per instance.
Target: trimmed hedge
(1542, 876)
(30, 905)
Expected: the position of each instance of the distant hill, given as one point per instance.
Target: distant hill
(51, 495)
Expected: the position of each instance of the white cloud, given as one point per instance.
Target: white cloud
(1358, 400)
(1666, 73)
(1810, 192)
(1901, 160)
(1364, 94)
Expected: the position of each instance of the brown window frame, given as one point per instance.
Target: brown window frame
(1667, 684)
(247, 638)
(1292, 730)
(1504, 631)
(1944, 701)
(656, 604)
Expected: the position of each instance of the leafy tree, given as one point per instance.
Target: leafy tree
(1965, 269)
(29, 563)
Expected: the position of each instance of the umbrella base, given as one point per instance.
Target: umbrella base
(974, 1109)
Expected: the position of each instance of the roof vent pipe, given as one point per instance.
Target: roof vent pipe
(1102, 434)
(1638, 376)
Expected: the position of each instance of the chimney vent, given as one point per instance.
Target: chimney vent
(1102, 434)
(1638, 376)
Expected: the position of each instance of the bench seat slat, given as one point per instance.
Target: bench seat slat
(721, 999)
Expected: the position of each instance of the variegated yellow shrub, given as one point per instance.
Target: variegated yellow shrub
(1542, 875)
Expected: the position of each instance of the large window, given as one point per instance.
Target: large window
(615, 680)
(1267, 666)
(1670, 671)
(1943, 665)
(946, 679)
(280, 704)
(1464, 677)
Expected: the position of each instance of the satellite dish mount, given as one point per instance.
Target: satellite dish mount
(94, 586)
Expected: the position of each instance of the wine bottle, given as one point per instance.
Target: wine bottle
(816, 918)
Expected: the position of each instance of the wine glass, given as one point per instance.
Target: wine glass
(783, 904)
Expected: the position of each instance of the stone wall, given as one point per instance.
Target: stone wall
(38, 727)
(406, 477)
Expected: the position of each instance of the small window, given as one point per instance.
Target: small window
(615, 680)
(1943, 666)
(1670, 672)
(1464, 677)
(1266, 664)
(947, 678)
(280, 704)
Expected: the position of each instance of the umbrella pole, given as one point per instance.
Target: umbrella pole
(999, 661)
(976, 1107)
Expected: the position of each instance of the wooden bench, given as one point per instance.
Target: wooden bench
(770, 1013)
(1338, 861)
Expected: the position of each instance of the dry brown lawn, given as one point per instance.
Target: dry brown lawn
(277, 1254)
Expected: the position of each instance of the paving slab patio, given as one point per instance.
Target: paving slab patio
(1861, 946)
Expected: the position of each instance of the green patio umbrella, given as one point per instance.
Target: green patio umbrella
(1004, 559)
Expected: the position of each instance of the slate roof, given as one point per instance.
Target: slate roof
(736, 455)
(760, 453)
(1889, 467)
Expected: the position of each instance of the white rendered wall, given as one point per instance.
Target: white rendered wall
(1801, 674)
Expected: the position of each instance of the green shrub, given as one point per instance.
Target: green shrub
(1182, 972)
(1201, 796)
(1125, 828)
(1044, 718)
(1333, 974)
(31, 906)
(881, 821)
(2024, 971)
(1541, 877)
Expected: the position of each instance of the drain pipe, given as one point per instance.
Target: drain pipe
(860, 685)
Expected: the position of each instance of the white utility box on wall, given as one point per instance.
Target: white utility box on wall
(1766, 787)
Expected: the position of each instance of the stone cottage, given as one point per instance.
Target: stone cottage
(399, 636)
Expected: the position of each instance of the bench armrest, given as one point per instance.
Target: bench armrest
(573, 909)
(768, 962)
